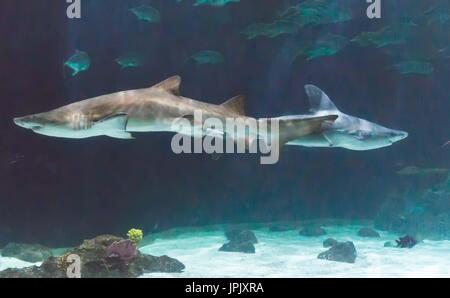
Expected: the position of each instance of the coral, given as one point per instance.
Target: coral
(95, 262)
(61, 262)
(135, 236)
(123, 250)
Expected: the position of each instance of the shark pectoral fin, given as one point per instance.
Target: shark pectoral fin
(116, 122)
(236, 104)
(190, 118)
(121, 135)
(114, 126)
(327, 138)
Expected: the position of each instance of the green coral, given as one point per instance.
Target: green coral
(135, 235)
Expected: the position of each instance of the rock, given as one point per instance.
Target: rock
(100, 258)
(312, 231)
(368, 233)
(32, 253)
(330, 242)
(344, 252)
(241, 236)
(280, 228)
(29, 272)
(240, 241)
(389, 244)
(235, 246)
(406, 242)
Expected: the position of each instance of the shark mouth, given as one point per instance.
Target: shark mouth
(36, 127)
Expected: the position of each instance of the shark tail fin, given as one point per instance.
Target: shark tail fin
(318, 100)
(236, 105)
(292, 128)
(297, 127)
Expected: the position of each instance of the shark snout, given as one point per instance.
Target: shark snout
(20, 122)
(27, 122)
(398, 135)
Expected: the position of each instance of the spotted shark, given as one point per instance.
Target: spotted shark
(154, 109)
(347, 131)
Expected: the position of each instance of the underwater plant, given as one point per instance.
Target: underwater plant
(135, 236)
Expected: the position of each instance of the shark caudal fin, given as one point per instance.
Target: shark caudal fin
(291, 128)
(318, 100)
(295, 127)
(236, 105)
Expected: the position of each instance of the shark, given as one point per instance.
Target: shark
(346, 131)
(156, 109)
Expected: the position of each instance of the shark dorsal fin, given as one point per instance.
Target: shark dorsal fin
(236, 104)
(318, 100)
(171, 85)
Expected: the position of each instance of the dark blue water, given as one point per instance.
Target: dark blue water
(60, 191)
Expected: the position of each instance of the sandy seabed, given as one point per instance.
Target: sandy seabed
(287, 254)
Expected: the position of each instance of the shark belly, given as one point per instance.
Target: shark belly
(141, 125)
(314, 140)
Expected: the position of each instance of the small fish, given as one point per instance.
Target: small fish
(396, 34)
(415, 67)
(365, 39)
(446, 144)
(16, 159)
(270, 30)
(316, 12)
(416, 171)
(146, 13)
(444, 53)
(214, 3)
(80, 61)
(255, 30)
(406, 242)
(329, 45)
(438, 15)
(208, 57)
(129, 61)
